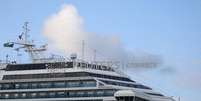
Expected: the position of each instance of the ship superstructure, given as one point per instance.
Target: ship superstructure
(48, 80)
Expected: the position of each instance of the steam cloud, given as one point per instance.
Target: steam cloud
(66, 32)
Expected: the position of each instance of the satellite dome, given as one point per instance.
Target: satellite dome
(73, 56)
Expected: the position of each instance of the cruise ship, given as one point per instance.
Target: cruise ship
(50, 79)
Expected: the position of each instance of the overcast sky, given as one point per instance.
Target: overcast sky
(169, 28)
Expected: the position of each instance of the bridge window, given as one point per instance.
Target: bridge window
(48, 84)
(56, 94)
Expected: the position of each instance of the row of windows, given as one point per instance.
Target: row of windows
(58, 84)
(94, 66)
(125, 84)
(59, 75)
(57, 94)
(55, 65)
(155, 94)
(84, 100)
(14, 67)
(140, 99)
(127, 98)
(111, 77)
(130, 98)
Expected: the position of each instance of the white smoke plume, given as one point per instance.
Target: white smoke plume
(65, 31)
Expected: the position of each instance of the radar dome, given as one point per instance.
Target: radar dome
(73, 56)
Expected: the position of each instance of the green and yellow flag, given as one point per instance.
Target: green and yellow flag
(8, 44)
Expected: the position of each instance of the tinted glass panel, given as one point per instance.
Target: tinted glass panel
(14, 67)
(50, 84)
(59, 75)
(56, 94)
(125, 84)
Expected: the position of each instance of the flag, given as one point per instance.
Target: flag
(8, 44)
(20, 36)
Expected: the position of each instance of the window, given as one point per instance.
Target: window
(33, 95)
(34, 85)
(84, 65)
(78, 65)
(73, 84)
(99, 93)
(90, 93)
(6, 86)
(42, 94)
(109, 93)
(17, 86)
(72, 94)
(94, 66)
(45, 85)
(24, 85)
(1, 86)
(6, 95)
(89, 83)
(61, 94)
(16, 95)
(52, 94)
(80, 94)
(89, 65)
(23, 95)
(99, 67)
(59, 84)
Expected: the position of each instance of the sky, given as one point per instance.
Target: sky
(169, 28)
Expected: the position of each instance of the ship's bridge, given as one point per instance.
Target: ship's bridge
(56, 65)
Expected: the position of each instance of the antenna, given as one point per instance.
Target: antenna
(7, 58)
(83, 49)
(25, 32)
(94, 55)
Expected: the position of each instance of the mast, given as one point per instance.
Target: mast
(26, 30)
(36, 54)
